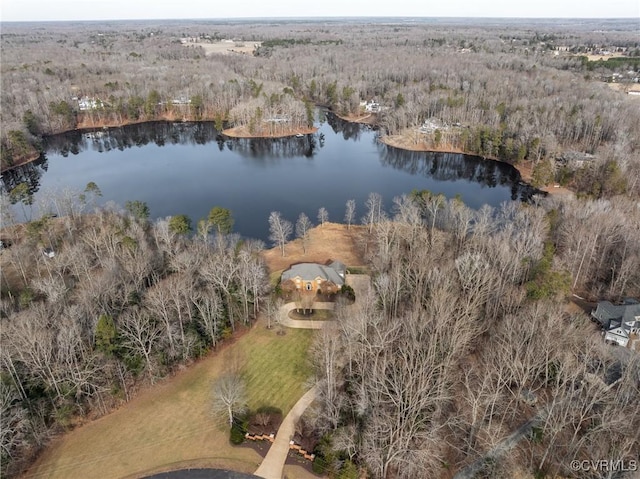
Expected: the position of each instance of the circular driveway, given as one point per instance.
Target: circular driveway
(202, 474)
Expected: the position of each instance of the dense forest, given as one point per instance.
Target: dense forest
(466, 358)
(466, 354)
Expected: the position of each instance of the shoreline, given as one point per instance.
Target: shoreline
(86, 127)
(22, 161)
(395, 141)
(243, 132)
(523, 168)
(365, 119)
(403, 143)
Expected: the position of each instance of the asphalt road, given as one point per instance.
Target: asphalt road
(202, 474)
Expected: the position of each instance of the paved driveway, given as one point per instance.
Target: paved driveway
(273, 464)
(360, 284)
(285, 320)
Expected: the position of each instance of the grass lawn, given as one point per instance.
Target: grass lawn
(170, 425)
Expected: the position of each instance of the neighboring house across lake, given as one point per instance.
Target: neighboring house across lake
(371, 106)
(85, 103)
(575, 159)
(619, 321)
(314, 278)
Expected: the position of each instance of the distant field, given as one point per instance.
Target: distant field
(170, 426)
(225, 47)
(595, 58)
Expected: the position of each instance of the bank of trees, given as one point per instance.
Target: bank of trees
(123, 301)
(451, 354)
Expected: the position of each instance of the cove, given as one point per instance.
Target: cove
(187, 168)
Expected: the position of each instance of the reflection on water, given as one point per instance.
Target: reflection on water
(265, 148)
(349, 130)
(190, 167)
(455, 166)
(29, 173)
(158, 133)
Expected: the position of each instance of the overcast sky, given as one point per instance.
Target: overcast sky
(32, 10)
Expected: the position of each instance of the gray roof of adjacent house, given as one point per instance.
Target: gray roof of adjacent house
(611, 316)
(576, 157)
(309, 271)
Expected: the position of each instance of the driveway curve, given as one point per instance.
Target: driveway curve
(285, 320)
(272, 466)
(361, 283)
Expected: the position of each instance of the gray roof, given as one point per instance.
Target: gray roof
(340, 267)
(611, 316)
(311, 271)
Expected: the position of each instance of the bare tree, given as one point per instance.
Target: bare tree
(250, 281)
(350, 212)
(327, 357)
(280, 230)
(303, 225)
(229, 396)
(375, 213)
(140, 334)
(221, 270)
(203, 228)
(209, 306)
(16, 424)
(323, 216)
(272, 310)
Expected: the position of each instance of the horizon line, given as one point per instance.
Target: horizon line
(319, 18)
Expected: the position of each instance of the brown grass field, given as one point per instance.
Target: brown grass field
(170, 425)
(331, 241)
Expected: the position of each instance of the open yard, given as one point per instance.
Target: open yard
(170, 425)
(331, 241)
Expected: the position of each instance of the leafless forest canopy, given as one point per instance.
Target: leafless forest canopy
(466, 355)
(465, 359)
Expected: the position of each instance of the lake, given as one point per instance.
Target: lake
(187, 168)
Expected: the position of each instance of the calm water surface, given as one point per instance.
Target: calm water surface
(181, 168)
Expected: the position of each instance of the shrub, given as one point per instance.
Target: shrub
(238, 430)
(319, 465)
(348, 471)
(348, 292)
